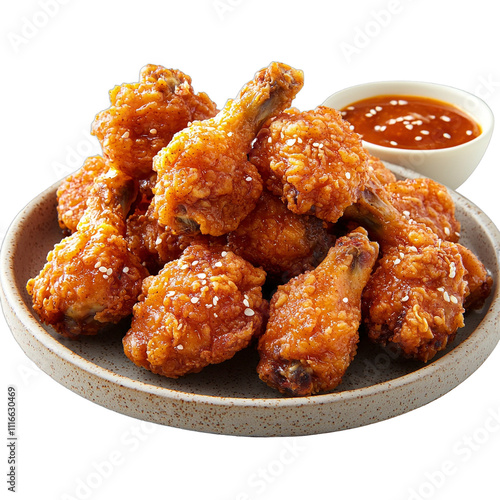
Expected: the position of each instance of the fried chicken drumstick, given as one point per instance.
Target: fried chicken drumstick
(199, 310)
(312, 332)
(205, 182)
(91, 279)
(415, 297)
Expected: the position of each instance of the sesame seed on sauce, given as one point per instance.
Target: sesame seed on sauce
(218, 264)
(229, 134)
(170, 293)
(215, 300)
(249, 312)
(194, 262)
(202, 276)
(248, 179)
(445, 124)
(348, 175)
(105, 276)
(103, 269)
(109, 272)
(291, 142)
(454, 299)
(397, 261)
(195, 300)
(224, 253)
(126, 135)
(446, 296)
(184, 266)
(447, 231)
(180, 347)
(405, 298)
(345, 300)
(126, 269)
(246, 303)
(153, 131)
(269, 139)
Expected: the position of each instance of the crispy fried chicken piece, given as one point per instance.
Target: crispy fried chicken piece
(415, 299)
(199, 310)
(313, 161)
(283, 243)
(312, 333)
(205, 182)
(415, 296)
(144, 116)
(428, 202)
(74, 191)
(91, 279)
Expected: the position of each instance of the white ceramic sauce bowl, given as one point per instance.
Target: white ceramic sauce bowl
(450, 166)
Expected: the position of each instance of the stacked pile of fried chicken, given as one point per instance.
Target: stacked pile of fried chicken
(212, 229)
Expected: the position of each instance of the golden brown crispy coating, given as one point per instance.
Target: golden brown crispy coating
(90, 278)
(415, 299)
(156, 245)
(377, 168)
(205, 182)
(283, 243)
(479, 281)
(428, 202)
(312, 332)
(199, 310)
(313, 161)
(74, 191)
(144, 116)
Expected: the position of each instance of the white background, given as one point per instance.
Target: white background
(56, 70)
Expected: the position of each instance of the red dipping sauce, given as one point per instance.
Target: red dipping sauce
(410, 122)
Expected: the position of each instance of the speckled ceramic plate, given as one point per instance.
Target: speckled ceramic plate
(229, 398)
